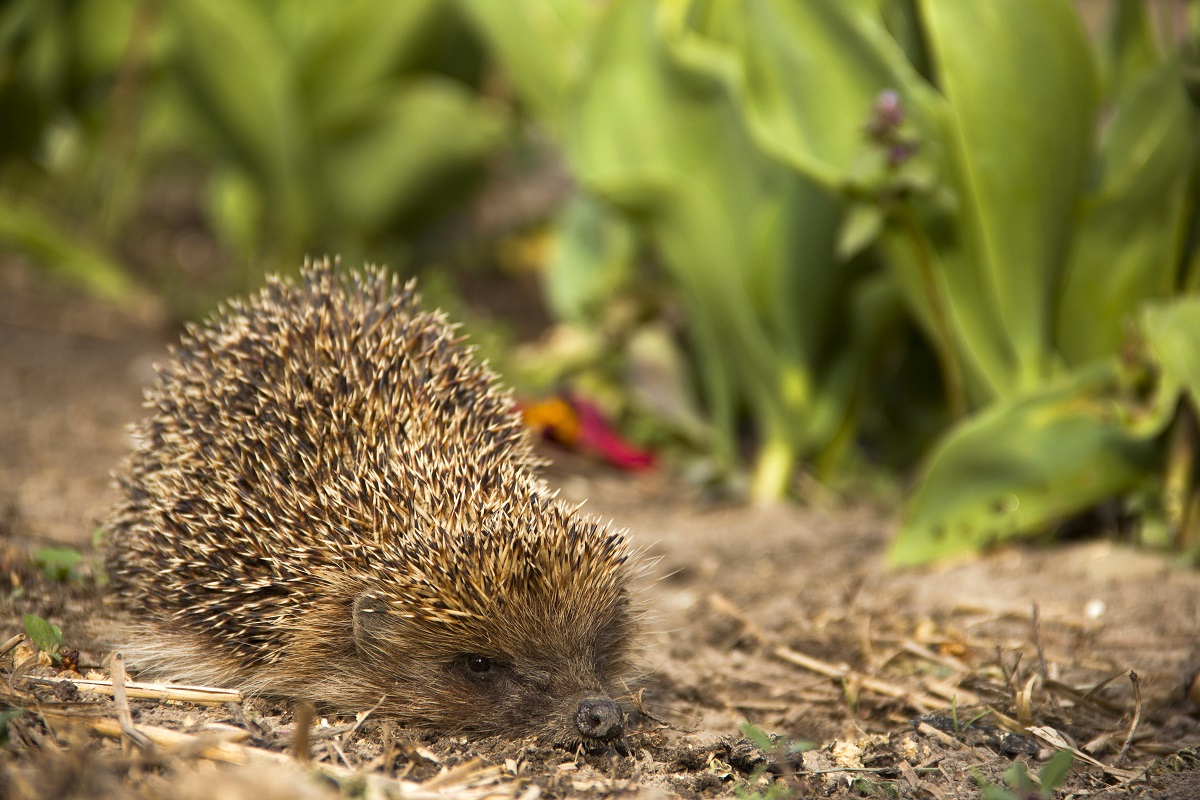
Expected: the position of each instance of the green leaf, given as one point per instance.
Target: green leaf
(594, 256)
(236, 210)
(417, 138)
(100, 35)
(58, 563)
(540, 43)
(1055, 772)
(27, 228)
(46, 636)
(352, 52)
(690, 176)
(747, 243)
(813, 71)
(1020, 80)
(1129, 50)
(944, 287)
(1022, 465)
(862, 226)
(241, 76)
(1172, 333)
(1132, 229)
(758, 737)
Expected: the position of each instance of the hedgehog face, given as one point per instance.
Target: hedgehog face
(552, 673)
(509, 614)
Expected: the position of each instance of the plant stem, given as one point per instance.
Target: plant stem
(773, 469)
(956, 396)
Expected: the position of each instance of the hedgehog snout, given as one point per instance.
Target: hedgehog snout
(599, 719)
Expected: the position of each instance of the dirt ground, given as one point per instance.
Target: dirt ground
(920, 683)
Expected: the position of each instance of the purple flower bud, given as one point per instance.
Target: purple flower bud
(900, 152)
(888, 109)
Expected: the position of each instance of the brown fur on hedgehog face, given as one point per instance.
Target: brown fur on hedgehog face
(516, 656)
(332, 500)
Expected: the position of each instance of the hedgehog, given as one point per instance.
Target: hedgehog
(333, 499)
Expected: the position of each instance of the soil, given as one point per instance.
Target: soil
(859, 681)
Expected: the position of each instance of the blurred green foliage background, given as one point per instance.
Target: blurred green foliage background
(952, 239)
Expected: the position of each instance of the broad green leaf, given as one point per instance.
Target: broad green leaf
(902, 22)
(541, 44)
(657, 132)
(101, 31)
(1129, 51)
(792, 265)
(59, 249)
(46, 636)
(349, 62)
(1020, 81)
(1172, 333)
(813, 71)
(1132, 230)
(593, 257)
(942, 284)
(420, 134)
(242, 77)
(1022, 465)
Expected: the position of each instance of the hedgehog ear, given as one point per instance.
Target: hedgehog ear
(370, 617)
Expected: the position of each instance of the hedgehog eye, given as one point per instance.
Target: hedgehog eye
(479, 665)
(481, 668)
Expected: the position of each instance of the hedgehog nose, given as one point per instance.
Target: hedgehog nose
(599, 718)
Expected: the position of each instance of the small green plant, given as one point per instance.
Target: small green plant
(59, 563)
(778, 745)
(1022, 787)
(46, 636)
(761, 739)
(779, 751)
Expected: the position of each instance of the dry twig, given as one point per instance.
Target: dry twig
(11, 643)
(304, 713)
(1137, 717)
(201, 695)
(922, 701)
(124, 715)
